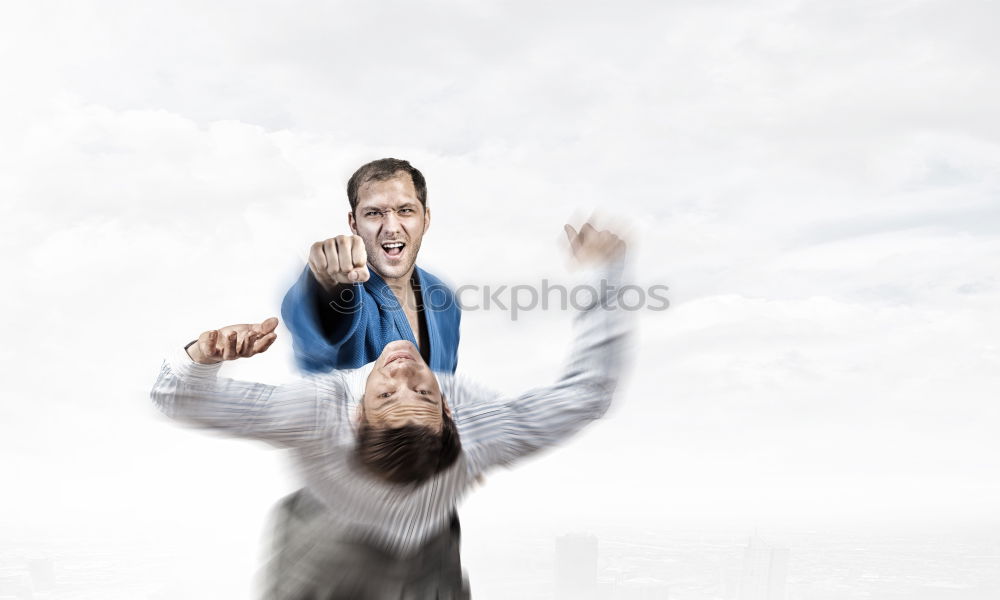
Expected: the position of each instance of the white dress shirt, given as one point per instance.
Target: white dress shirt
(314, 417)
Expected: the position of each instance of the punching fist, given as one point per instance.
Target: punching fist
(591, 246)
(339, 260)
(232, 342)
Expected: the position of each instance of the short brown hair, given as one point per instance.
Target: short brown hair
(408, 454)
(381, 170)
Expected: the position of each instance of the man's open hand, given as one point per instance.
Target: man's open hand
(591, 246)
(232, 342)
(339, 260)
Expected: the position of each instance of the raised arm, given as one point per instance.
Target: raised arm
(500, 430)
(322, 307)
(188, 389)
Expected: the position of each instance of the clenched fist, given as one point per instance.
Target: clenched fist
(339, 260)
(232, 342)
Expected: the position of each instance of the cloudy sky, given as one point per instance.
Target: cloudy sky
(816, 182)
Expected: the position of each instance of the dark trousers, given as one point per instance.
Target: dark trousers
(310, 562)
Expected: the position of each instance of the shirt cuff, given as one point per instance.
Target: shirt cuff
(604, 281)
(182, 365)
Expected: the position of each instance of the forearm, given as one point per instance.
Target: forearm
(335, 310)
(600, 335)
(194, 394)
(504, 430)
(319, 320)
(586, 386)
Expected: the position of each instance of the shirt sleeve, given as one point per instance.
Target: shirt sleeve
(497, 430)
(285, 415)
(319, 323)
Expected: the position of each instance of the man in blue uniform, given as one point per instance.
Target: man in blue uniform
(364, 290)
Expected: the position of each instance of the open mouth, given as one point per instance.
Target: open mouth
(393, 249)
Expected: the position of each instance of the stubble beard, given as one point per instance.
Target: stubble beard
(387, 271)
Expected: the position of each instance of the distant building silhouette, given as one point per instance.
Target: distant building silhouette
(576, 567)
(42, 570)
(765, 571)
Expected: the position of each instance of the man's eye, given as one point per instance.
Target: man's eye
(385, 394)
(372, 213)
(424, 392)
(406, 211)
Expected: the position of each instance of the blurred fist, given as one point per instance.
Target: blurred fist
(591, 246)
(339, 260)
(232, 342)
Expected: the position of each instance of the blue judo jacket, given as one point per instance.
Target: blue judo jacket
(349, 330)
